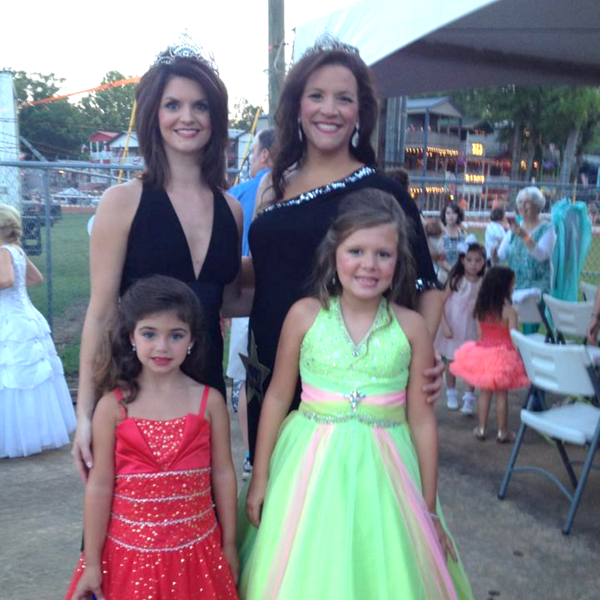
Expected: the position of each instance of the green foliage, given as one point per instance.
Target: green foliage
(109, 109)
(59, 129)
(243, 114)
(54, 128)
(69, 355)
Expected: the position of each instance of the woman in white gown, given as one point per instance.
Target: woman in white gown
(36, 410)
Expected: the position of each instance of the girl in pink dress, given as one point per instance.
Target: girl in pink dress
(458, 324)
(493, 364)
(161, 459)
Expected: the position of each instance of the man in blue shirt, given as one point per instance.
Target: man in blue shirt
(260, 165)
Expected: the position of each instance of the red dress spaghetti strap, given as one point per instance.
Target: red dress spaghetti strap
(163, 539)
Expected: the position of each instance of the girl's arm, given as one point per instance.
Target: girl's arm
(446, 329)
(278, 399)
(421, 416)
(108, 247)
(508, 312)
(32, 275)
(7, 272)
(223, 480)
(98, 497)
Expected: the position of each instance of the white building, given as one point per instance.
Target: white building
(10, 180)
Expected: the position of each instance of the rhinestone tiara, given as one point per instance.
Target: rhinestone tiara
(327, 42)
(185, 47)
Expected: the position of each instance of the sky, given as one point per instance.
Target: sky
(82, 41)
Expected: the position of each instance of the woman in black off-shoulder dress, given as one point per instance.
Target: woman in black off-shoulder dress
(325, 120)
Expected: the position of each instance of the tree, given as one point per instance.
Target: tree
(243, 115)
(55, 128)
(109, 109)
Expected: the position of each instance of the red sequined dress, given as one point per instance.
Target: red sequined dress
(492, 363)
(163, 541)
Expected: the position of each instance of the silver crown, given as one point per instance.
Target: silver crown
(185, 47)
(327, 42)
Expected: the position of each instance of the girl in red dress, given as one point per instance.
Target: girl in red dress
(493, 364)
(161, 459)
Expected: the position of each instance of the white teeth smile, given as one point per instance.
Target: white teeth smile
(327, 127)
(187, 131)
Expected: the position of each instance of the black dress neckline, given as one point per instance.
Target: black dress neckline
(190, 258)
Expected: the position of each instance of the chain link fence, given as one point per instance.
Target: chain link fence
(57, 201)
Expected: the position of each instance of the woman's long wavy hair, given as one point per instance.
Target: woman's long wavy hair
(118, 366)
(494, 292)
(362, 210)
(290, 149)
(458, 270)
(148, 95)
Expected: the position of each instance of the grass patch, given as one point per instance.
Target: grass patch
(70, 265)
(69, 355)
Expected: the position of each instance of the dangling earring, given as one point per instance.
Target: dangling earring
(189, 350)
(355, 136)
(133, 347)
(334, 279)
(300, 131)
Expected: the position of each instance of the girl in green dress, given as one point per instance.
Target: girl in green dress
(342, 504)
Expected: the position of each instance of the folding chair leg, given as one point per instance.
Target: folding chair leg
(512, 461)
(587, 465)
(566, 462)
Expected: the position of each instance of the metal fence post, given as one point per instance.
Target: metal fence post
(48, 223)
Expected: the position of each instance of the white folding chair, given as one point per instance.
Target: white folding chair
(570, 318)
(588, 290)
(560, 369)
(529, 308)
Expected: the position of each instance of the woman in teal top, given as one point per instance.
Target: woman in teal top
(343, 499)
(527, 247)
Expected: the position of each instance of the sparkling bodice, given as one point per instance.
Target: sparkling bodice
(162, 497)
(348, 380)
(494, 334)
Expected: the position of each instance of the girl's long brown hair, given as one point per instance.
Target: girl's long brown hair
(118, 366)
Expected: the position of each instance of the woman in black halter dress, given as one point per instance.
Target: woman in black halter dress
(173, 221)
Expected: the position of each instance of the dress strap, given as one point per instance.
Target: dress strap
(204, 401)
(119, 398)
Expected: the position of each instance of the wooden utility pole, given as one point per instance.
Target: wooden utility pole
(276, 55)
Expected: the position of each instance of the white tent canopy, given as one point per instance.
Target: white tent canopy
(414, 47)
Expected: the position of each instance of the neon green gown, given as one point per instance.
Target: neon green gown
(344, 518)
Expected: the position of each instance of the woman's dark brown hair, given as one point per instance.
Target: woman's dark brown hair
(118, 366)
(148, 95)
(362, 210)
(290, 150)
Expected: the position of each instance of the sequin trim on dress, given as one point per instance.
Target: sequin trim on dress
(162, 474)
(326, 189)
(169, 499)
(357, 348)
(173, 549)
(346, 418)
(161, 523)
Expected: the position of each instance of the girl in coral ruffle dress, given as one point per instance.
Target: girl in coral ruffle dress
(161, 458)
(493, 364)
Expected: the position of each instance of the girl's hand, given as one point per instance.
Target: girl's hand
(446, 330)
(230, 552)
(256, 499)
(435, 376)
(89, 585)
(445, 542)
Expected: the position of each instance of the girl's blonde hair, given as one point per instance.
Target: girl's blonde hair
(11, 226)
